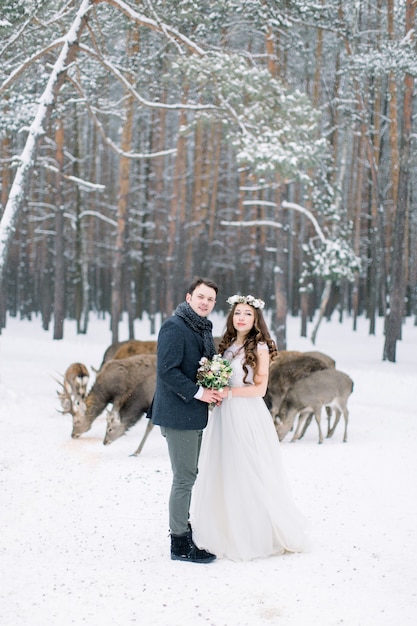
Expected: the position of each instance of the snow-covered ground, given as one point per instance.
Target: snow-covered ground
(84, 532)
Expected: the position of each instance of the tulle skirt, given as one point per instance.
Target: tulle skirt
(242, 507)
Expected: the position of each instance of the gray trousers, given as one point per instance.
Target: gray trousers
(184, 450)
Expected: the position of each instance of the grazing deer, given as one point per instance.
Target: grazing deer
(307, 397)
(287, 369)
(128, 385)
(325, 358)
(74, 386)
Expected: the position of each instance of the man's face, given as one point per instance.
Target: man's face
(202, 300)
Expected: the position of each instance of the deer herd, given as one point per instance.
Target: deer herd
(301, 384)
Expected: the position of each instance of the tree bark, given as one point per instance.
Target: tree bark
(122, 217)
(323, 303)
(172, 254)
(281, 306)
(121, 259)
(396, 294)
(393, 136)
(59, 284)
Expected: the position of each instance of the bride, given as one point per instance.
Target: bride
(242, 506)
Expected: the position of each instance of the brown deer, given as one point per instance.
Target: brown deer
(325, 358)
(307, 397)
(127, 384)
(74, 386)
(286, 369)
(124, 349)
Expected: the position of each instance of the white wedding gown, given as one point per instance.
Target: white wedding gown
(242, 507)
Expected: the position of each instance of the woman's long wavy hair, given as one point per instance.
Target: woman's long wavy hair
(259, 333)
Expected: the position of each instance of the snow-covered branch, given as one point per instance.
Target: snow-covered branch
(129, 87)
(285, 205)
(96, 214)
(156, 26)
(245, 223)
(79, 181)
(108, 141)
(308, 214)
(23, 66)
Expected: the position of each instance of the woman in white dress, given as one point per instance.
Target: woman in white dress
(242, 506)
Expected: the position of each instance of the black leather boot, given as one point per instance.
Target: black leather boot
(183, 548)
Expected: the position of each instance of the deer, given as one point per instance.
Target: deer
(120, 421)
(323, 388)
(325, 358)
(289, 367)
(124, 349)
(128, 385)
(74, 386)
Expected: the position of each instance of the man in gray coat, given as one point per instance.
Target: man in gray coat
(180, 406)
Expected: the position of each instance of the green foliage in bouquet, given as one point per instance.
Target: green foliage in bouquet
(215, 373)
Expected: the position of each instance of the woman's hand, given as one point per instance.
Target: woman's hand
(211, 396)
(224, 393)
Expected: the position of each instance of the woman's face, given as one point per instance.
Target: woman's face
(243, 318)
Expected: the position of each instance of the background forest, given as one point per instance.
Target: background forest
(269, 145)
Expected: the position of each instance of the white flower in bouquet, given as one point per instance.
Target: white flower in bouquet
(214, 373)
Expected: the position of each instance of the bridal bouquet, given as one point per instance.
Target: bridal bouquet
(214, 373)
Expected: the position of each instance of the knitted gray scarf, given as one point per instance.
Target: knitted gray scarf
(200, 325)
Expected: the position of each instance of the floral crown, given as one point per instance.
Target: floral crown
(257, 303)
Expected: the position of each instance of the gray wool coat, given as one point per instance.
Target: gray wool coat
(179, 351)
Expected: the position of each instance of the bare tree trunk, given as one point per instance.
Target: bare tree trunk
(214, 178)
(376, 270)
(5, 187)
(206, 195)
(304, 313)
(280, 283)
(122, 216)
(393, 137)
(281, 309)
(81, 286)
(121, 258)
(323, 303)
(59, 284)
(357, 223)
(177, 203)
(396, 301)
(156, 199)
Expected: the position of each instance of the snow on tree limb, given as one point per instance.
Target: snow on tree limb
(285, 205)
(157, 26)
(107, 139)
(245, 223)
(89, 213)
(129, 87)
(85, 184)
(307, 213)
(21, 68)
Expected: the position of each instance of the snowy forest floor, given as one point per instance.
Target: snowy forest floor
(84, 533)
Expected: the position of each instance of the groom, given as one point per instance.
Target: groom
(180, 406)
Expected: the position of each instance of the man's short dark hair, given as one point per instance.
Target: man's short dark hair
(198, 280)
